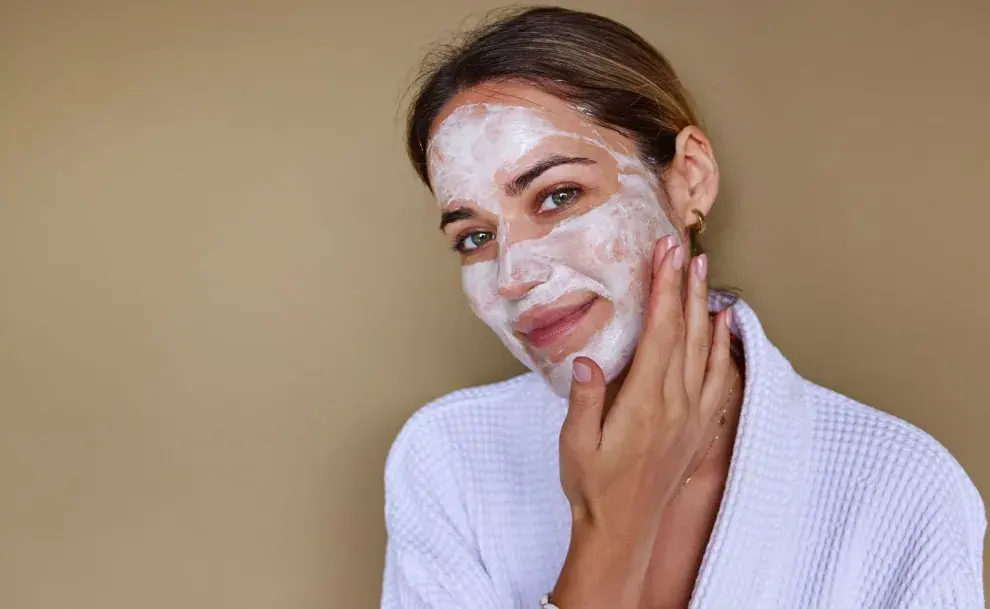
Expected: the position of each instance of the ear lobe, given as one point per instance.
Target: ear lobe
(692, 178)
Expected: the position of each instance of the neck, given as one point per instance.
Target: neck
(716, 460)
(713, 457)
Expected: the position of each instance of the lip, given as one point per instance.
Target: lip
(542, 326)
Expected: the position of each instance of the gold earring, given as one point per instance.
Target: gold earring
(701, 226)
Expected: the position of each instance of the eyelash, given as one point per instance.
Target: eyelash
(459, 240)
(545, 194)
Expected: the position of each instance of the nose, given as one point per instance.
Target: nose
(520, 270)
(516, 290)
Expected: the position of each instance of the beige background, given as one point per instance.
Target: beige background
(222, 290)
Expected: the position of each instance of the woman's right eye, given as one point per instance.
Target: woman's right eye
(473, 241)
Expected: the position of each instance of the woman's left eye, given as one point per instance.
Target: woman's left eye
(562, 197)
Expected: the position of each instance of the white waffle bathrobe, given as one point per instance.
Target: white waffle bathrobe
(828, 503)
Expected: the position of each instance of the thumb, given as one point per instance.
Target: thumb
(582, 428)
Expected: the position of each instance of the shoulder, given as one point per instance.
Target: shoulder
(892, 474)
(437, 513)
(470, 423)
(881, 446)
(472, 413)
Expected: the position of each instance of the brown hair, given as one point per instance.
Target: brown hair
(617, 78)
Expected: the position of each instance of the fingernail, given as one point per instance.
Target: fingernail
(701, 267)
(678, 260)
(661, 246)
(659, 251)
(582, 372)
(728, 318)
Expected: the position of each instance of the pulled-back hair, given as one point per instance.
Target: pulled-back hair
(613, 75)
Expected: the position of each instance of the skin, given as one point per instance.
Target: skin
(640, 425)
(579, 234)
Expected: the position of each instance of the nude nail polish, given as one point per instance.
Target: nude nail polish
(701, 267)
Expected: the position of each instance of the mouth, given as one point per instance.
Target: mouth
(544, 326)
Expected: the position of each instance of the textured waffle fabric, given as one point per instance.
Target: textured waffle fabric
(828, 503)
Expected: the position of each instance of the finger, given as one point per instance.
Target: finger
(582, 429)
(698, 341)
(663, 326)
(718, 377)
(676, 325)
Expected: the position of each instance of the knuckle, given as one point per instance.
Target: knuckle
(719, 354)
(569, 445)
(675, 407)
(566, 431)
(570, 441)
(583, 401)
(578, 395)
(663, 330)
(676, 418)
(674, 333)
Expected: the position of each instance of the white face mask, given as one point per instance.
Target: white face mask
(605, 251)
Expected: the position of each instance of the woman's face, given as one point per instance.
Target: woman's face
(555, 220)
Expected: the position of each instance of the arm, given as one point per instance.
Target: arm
(621, 465)
(951, 565)
(430, 560)
(618, 474)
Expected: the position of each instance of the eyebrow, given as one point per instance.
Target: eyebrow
(454, 215)
(518, 184)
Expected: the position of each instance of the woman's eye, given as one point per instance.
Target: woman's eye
(474, 240)
(561, 197)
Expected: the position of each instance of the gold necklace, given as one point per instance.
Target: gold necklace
(721, 423)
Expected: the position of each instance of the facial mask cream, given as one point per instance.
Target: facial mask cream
(605, 251)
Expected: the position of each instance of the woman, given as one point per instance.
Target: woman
(657, 455)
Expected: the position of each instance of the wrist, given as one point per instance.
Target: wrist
(602, 569)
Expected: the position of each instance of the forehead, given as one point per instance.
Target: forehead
(485, 138)
(492, 128)
(554, 110)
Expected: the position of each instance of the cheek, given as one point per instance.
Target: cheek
(641, 279)
(586, 249)
(567, 246)
(617, 233)
(632, 292)
(479, 281)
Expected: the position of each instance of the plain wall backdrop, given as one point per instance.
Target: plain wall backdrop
(222, 290)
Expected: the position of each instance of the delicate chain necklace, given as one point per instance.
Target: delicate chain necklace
(721, 423)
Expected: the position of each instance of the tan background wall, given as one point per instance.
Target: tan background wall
(221, 289)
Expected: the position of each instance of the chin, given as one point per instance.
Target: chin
(607, 335)
(612, 349)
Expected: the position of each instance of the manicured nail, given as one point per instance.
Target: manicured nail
(728, 319)
(659, 251)
(678, 260)
(700, 264)
(582, 372)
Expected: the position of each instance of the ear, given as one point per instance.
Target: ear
(691, 180)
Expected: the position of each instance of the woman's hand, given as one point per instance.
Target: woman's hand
(620, 469)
